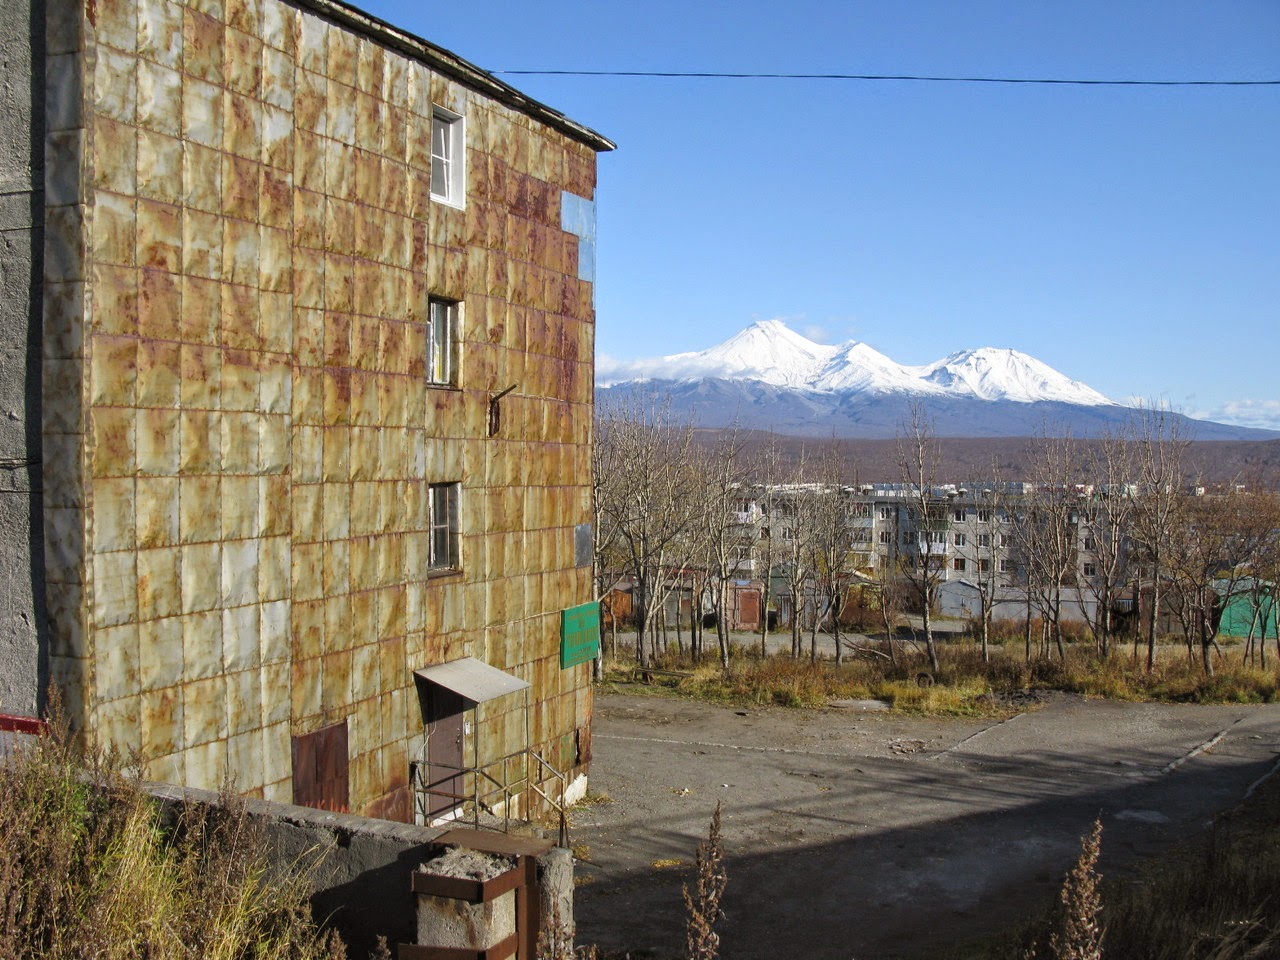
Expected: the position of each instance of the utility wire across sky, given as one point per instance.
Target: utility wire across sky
(875, 76)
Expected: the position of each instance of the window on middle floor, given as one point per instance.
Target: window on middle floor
(442, 342)
(443, 526)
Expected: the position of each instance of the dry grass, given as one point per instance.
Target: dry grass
(965, 686)
(89, 868)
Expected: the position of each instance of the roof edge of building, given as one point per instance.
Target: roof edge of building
(456, 67)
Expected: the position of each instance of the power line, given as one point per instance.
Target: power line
(879, 76)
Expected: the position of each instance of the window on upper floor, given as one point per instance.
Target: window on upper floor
(443, 525)
(448, 157)
(886, 513)
(984, 539)
(960, 539)
(984, 516)
(958, 564)
(958, 515)
(1090, 570)
(442, 342)
(886, 536)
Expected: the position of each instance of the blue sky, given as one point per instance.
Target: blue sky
(1129, 237)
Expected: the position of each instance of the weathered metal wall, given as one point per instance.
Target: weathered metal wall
(244, 434)
(22, 666)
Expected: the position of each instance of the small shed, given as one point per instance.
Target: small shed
(1249, 609)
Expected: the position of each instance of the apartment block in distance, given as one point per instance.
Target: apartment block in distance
(299, 370)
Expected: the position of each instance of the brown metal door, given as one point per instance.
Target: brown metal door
(748, 609)
(321, 769)
(444, 751)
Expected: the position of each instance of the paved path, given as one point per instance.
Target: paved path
(873, 836)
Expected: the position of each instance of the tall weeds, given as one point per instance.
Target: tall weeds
(90, 868)
(703, 907)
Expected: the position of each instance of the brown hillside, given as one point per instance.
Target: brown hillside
(1256, 462)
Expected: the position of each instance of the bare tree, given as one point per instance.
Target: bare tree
(1106, 519)
(651, 501)
(981, 555)
(1159, 446)
(722, 528)
(1050, 516)
(795, 529)
(831, 549)
(1215, 544)
(918, 465)
(768, 475)
(1263, 598)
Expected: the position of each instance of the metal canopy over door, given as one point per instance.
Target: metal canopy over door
(451, 689)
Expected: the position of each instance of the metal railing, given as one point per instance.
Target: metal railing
(485, 796)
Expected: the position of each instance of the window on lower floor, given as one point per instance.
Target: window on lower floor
(1090, 570)
(958, 564)
(443, 524)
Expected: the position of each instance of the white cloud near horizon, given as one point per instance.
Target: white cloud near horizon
(1261, 414)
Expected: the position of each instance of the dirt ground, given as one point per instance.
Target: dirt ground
(868, 835)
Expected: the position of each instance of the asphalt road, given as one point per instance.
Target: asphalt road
(872, 836)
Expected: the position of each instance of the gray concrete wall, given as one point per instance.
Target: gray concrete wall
(23, 664)
(359, 869)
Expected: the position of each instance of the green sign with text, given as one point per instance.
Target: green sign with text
(579, 634)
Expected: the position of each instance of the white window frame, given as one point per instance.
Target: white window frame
(448, 157)
(444, 327)
(443, 540)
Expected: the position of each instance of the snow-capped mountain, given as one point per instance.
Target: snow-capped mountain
(770, 352)
(769, 377)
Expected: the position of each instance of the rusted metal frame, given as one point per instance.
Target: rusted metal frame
(523, 879)
(32, 726)
(506, 788)
(528, 907)
(505, 950)
(473, 891)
